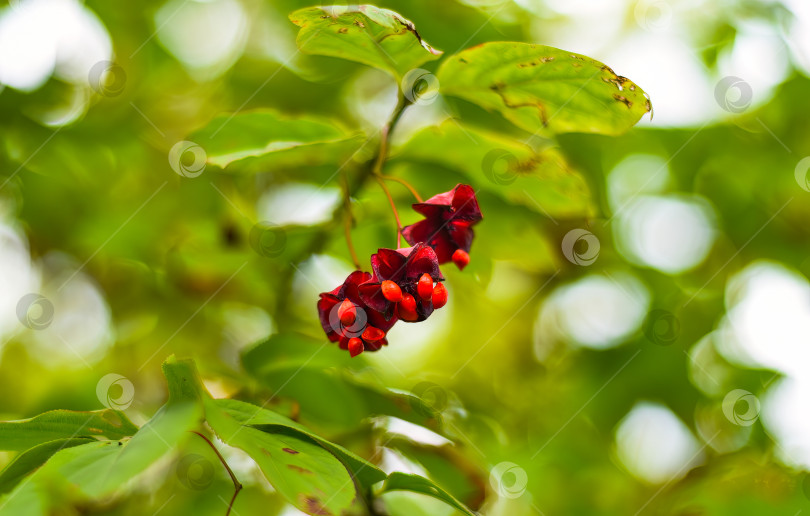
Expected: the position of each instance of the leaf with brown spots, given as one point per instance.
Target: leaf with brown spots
(305, 473)
(544, 89)
(299, 469)
(366, 34)
(63, 424)
(230, 415)
(314, 506)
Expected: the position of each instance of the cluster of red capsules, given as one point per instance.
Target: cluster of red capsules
(406, 283)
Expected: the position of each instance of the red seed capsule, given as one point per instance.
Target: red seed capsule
(439, 296)
(355, 346)
(375, 345)
(407, 309)
(408, 303)
(461, 259)
(343, 343)
(347, 313)
(371, 334)
(391, 291)
(408, 316)
(425, 286)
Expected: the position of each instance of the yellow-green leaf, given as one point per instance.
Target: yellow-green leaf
(544, 89)
(228, 417)
(31, 459)
(304, 472)
(263, 140)
(366, 34)
(64, 424)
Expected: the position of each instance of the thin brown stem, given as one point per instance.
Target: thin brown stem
(347, 216)
(375, 170)
(406, 185)
(393, 209)
(382, 155)
(237, 486)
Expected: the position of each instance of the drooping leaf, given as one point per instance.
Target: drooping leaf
(64, 424)
(449, 467)
(405, 503)
(544, 89)
(417, 484)
(366, 34)
(304, 472)
(263, 140)
(230, 416)
(31, 459)
(541, 180)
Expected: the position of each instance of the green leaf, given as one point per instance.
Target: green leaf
(28, 499)
(366, 34)
(539, 179)
(31, 459)
(227, 417)
(158, 437)
(182, 379)
(98, 469)
(64, 424)
(544, 89)
(88, 469)
(408, 482)
(448, 465)
(262, 140)
(301, 469)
